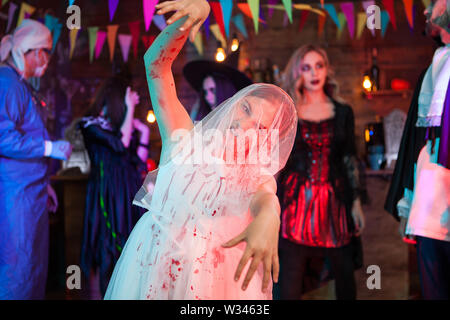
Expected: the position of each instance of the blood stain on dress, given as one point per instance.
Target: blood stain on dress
(196, 271)
(218, 257)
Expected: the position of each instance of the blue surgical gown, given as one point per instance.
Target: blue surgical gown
(23, 191)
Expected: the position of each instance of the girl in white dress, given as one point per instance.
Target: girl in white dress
(213, 213)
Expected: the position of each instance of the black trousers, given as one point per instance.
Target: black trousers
(293, 269)
(433, 258)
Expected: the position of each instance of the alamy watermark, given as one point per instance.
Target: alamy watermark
(74, 277)
(374, 280)
(373, 13)
(74, 20)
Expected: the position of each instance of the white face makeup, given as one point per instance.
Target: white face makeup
(42, 57)
(437, 19)
(253, 113)
(209, 91)
(313, 71)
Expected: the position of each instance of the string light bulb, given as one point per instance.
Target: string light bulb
(234, 43)
(151, 117)
(367, 83)
(220, 53)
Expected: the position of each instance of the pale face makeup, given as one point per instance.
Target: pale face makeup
(253, 113)
(209, 91)
(437, 10)
(313, 72)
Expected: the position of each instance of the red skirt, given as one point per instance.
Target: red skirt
(313, 216)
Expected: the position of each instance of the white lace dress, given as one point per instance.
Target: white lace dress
(174, 251)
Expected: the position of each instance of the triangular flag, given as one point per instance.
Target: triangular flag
(361, 23)
(218, 35)
(426, 3)
(125, 42)
(303, 16)
(288, 7)
(320, 24)
(149, 11)
(206, 27)
(135, 32)
(56, 33)
(73, 38)
(112, 5)
(238, 21)
(254, 10)
(245, 8)
(270, 10)
(348, 10)
(333, 14)
(92, 33)
(101, 37)
(52, 23)
(148, 40)
(367, 4)
(198, 43)
(112, 32)
(342, 21)
(3, 2)
(217, 12)
(301, 6)
(160, 22)
(409, 12)
(25, 8)
(227, 9)
(384, 22)
(389, 5)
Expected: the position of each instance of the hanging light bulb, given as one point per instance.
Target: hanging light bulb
(151, 116)
(234, 43)
(220, 53)
(367, 83)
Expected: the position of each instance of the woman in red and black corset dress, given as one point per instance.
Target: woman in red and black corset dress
(318, 189)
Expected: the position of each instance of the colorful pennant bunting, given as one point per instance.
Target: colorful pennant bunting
(72, 39)
(25, 8)
(101, 37)
(333, 14)
(135, 32)
(227, 9)
(238, 21)
(348, 10)
(125, 43)
(389, 5)
(216, 8)
(112, 6)
(92, 34)
(149, 11)
(111, 34)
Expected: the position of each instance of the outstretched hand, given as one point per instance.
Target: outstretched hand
(261, 237)
(196, 10)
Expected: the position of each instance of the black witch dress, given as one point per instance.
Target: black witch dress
(114, 180)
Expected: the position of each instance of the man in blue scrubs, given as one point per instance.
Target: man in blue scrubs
(24, 150)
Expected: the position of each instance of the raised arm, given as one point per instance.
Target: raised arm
(169, 111)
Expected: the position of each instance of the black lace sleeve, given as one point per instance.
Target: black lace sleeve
(350, 157)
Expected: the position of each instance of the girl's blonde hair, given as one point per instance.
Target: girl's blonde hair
(292, 73)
